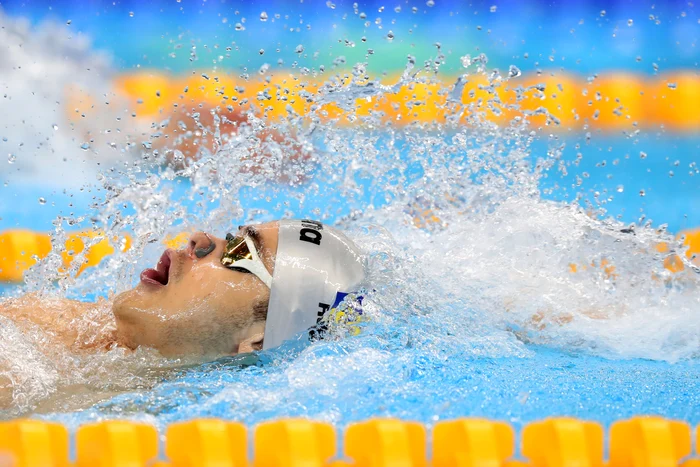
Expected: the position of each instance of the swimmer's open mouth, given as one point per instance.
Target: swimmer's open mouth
(160, 275)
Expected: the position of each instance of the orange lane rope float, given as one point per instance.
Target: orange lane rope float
(613, 101)
(468, 442)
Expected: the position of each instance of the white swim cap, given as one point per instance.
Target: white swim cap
(315, 268)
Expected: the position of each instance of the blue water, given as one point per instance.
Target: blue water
(420, 370)
(392, 378)
(672, 200)
(431, 357)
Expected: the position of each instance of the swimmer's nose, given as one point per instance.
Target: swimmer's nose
(200, 245)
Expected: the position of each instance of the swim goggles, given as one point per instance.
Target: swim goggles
(240, 252)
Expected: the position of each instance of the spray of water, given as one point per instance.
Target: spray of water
(466, 256)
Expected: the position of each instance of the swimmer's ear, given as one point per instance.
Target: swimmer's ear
(253, 343)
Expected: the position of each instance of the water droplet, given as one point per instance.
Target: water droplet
(642, 155)
(261, 51)
(672, 85)
(493, 8)
(263, 16)
(630, 22)
(299, 49)
(397, 9)
(147, 144)
(85, 146)
(602, 12)
(670, 173)
(131, 14)
(330, 5)
(390, 36)
(466, 60)
(239, 27)
(54, 126)
(642, 193)
(11, 158)
(68, 22)
(620, 188)
(430, 3)
(514, 71)
(42, 201)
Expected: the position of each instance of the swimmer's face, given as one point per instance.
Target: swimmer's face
(190, 304)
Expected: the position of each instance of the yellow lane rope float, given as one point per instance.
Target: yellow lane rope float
(613, 101)
(468, 442)
(21, 249)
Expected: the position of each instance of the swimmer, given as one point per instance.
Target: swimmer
(247, 291)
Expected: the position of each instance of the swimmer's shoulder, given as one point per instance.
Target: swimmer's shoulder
(67, 320)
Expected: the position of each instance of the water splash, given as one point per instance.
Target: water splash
(468, 260)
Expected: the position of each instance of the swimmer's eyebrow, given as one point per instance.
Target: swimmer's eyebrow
(254, 235)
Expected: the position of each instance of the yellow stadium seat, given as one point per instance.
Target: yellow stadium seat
(563, 442)
(294, 443)
(648, 442)
(472, 443)
(206, 443)
(30, 443)
(386, 443)
(115, 444)
(18, 250)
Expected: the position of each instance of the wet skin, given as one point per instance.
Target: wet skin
(190, 304)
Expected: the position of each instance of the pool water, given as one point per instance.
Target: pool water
(489, 290)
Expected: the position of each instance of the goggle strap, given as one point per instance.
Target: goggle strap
(254, 265)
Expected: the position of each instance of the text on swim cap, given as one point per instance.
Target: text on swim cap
(311, 232)
(317, 331)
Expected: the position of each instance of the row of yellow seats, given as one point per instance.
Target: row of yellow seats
(557, 442)
(611, 102)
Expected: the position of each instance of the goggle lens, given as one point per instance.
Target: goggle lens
(236, 250)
